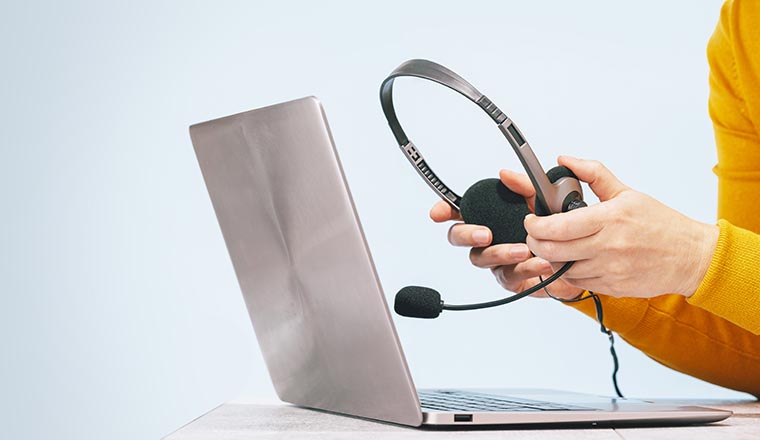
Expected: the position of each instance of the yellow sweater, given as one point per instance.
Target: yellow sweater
(715, 334)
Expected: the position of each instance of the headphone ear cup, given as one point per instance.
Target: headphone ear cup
(559, 172)
(554, 175)
(490, 203)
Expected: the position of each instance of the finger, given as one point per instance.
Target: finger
(567, 226)
(567, 291)
(504, 276)
(462, 234)
(560, 251)
(531, 268)
(601, 180)
(442, 211)
(512, 277)
(499, 255)
(592, 284)
(581, 270)
(519, 183)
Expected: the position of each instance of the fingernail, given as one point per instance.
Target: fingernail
(519, 250)
(481, 236)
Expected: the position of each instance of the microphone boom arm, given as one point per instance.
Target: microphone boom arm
(515, 297)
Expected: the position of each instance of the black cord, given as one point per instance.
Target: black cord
(605, 330)
(513, 298)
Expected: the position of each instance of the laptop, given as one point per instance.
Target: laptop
(315, 299)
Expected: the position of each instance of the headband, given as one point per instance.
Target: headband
(552, 195)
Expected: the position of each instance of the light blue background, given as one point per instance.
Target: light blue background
(120, 314)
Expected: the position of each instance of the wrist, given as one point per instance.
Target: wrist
(698, 260)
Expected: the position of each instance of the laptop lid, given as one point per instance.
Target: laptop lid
(302, 262)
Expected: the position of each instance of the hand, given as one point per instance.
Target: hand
(512, 264)
(629, 244)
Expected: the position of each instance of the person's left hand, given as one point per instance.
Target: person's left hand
(629, 244)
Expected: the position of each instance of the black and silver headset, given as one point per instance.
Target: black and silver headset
(487, 202)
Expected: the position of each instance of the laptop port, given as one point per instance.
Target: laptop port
(463, 417)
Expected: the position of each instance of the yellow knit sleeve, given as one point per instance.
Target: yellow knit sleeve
(731, 288)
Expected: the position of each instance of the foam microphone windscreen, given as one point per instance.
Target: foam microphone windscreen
(418, 302)
(490, 203)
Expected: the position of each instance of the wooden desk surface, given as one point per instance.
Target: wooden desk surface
(245, 419)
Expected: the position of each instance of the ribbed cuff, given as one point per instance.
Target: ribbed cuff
(731, 287)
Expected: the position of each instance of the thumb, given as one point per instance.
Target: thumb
(601, 180)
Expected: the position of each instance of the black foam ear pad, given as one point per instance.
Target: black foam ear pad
(559, 172)
(490, 203)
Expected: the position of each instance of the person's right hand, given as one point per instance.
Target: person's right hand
(513, 265)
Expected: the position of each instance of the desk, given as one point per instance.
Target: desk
(247, 419)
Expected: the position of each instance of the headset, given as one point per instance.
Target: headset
(487, 202)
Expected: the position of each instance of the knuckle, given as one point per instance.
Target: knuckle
(529, 222)
(546, 250)
(498, 273)
(526, 270)
(536, 264)
(532, 244)
(510, 285)
(534, 225)
(617, 244)
(506, 257)
(607, 211)
(614, 213)
(570, 274)
(502, 278)
(528, 226)
(556, 228)
(621, 211)
(617, 268)
(598, 167)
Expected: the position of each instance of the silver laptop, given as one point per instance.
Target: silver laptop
(314, 296)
